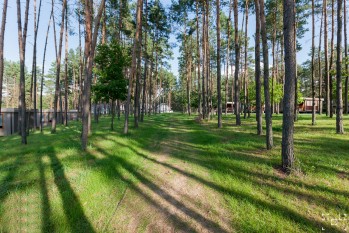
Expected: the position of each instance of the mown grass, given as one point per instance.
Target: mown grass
(51, 186)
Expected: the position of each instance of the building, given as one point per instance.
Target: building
(9, 119)
(164, 108)
(307, 104)
(229, 106)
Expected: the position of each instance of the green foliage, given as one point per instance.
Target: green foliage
(179, 99)
(11, 84)
(252, 93)
(299, 94)
(111, 61)
(278, 92)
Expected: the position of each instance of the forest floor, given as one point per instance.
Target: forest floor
(175, 174)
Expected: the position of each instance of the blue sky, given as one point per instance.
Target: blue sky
(11, 36)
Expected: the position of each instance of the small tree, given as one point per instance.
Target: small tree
(111, 60)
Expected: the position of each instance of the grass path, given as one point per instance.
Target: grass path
(167, 199)
(174, 175)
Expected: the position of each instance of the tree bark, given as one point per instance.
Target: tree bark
(112, 114)
(43, 68)
(339, 114)
(135, 52)
(187, 63)
(274, 70)
(2, 38)
(332, 61)
(208, 110)
(150, 106)
(228, 56)
(22, 39)
(198, 57)
(268, 119)
(327, 72)
(138, 72)
(146, 56)
(346, 60)
(204, 63)
(237, 62)
(66, 70)
(319, 63)
(246, 99)
(219, 96)
(90, 45)
(58, 71)
(295, 51)
(258, 71)
(81, 85)
(289, 94)
(34, 75)
(313, 116)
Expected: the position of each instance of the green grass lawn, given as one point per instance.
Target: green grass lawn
(49, 185)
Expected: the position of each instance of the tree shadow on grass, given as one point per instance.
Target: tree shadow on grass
(256, 178)
(46, 224)
(114, 161)
(180, 151)
(73, 210)
(24, 170)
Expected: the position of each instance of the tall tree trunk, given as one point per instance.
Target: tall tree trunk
(198, 58)
(289, 94)
(112, 114)
(228, 56)
(66, 70)
(33, 72)
(81, 85)
(332, 60)
(313, 119)
(246, 99)
(204, 63)
(187, 64)
(146, 56)
(237, 62)
(58, 71)
(273, 80)
(136, 48)
(339, 115)
(150, 106)
(327, 71)
(118, 107)
(208, 111)
(60, 112)
(104, 27)
(268, 119)
(90, 45)
(155, 77)
(319, 63)
(219, 95)
(34, 75)
(282, 44)
(295, 51)
(346, 60)
(22, 41)
(138, 72)
(43, 69)
(277, 73)
(2, 38)
(258, 71)
(189, 80)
